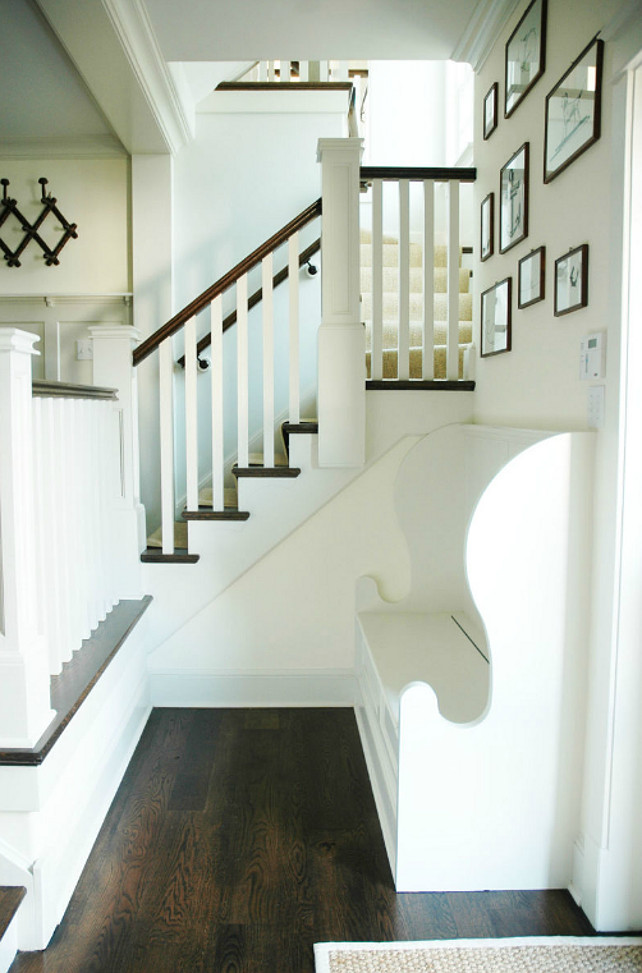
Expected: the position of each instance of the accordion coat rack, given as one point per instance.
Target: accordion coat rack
(9, 207)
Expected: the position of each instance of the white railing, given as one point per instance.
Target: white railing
(68, 520)
(291, 71)
(414, 225)
(231, 288)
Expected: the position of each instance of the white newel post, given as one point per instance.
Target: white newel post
(342, 348)
(25, 709)
(113, 346)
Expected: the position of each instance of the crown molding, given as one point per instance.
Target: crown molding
(487, 23)
(132, 25)
(80, 147)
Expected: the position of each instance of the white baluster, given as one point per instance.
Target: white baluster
(324, 70)
(166, 393)
(268, 362)
(242, 372)
(376, 355)
(304, 71)
(263, 70)
(293, 279)
(271, 71)
(403, 362)
(339, 70)
(284, 73)
(191, 415)
(218, 452)
(452, 354)
(428, 336)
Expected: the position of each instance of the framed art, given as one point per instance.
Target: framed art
(525, 56)
(490, 111)
(513, 200)
(531, 280)
(487, 227)
(496, 318)
(573, 109)
(571, 281)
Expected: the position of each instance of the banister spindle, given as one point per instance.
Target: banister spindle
(428, 322)
(403, 365)
(304, 71)
(268, 362)
(191, 415)
(452, 353)
(242, 372)
(218, 443)
(376, 355)
(166, 393)
(293, 277)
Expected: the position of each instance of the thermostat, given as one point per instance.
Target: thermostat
(592, 356)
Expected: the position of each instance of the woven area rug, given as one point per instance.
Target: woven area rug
(558, 954)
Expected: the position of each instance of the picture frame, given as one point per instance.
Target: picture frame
(525, 60)
(513, 199)
(487, 227)
(571, 281)
(572, 120)
(496, 318)
(531, 278)
(490, 111)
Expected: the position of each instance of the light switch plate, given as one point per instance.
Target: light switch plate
(84, 349)
(596, 395)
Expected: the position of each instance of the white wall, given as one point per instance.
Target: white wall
(94, 194)
(537, 383)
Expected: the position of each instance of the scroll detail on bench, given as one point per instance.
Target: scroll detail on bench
(471, 718)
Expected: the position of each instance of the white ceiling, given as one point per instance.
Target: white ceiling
(226, 30)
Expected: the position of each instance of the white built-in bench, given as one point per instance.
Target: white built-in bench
(472, 684)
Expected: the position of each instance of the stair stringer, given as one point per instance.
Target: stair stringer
(277, 508)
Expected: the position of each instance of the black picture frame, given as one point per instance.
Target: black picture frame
(531, 278)
(571, 281)
(487, 227)
(490, 111)
(513, 199)
(572, 120)
(496, 318)
(525, 59)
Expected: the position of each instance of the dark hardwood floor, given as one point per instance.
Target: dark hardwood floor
(238, 839)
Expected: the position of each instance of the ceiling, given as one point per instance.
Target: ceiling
(124, 75)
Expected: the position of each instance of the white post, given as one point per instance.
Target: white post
(25, 708)
(342, 347)
(113, 346)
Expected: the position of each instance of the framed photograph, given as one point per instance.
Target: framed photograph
(490, 111)
(531, 278)
(525, 55)
(496, 319)
(571, 281)
(513, 200)
(487, 227)
(573, 109)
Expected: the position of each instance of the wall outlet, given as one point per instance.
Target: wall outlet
(596, 395)
(84, 349)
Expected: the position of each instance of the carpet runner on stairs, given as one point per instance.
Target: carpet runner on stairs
(390, 307)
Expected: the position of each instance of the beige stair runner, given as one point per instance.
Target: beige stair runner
(390, 307)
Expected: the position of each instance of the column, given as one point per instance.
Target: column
(342, 355)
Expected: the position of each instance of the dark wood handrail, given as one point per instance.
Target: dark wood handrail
(404, 172)
(256, 297)
(284, 86)
(179, 320)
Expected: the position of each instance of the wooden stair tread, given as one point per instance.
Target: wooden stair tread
(154, 555)
(10, 898)
(284, 472)
(206, 513)
(419, 385)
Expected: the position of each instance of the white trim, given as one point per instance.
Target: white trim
(483, 29)
(258, 687)
(65, 147)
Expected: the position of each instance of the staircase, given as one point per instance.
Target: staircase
(391, 309)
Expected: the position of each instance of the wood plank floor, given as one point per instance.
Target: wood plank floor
(238, 838)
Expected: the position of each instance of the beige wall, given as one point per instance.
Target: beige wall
(94, 194)
(537, 383)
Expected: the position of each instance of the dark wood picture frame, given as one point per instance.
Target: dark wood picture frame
(489, 114)
(572, 120)
(525, 59)
(496, 304)
(571, 281)
(531, 278)
(487, 227)
(513, 199)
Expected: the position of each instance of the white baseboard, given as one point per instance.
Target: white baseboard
(385, 804)
(284, 687)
